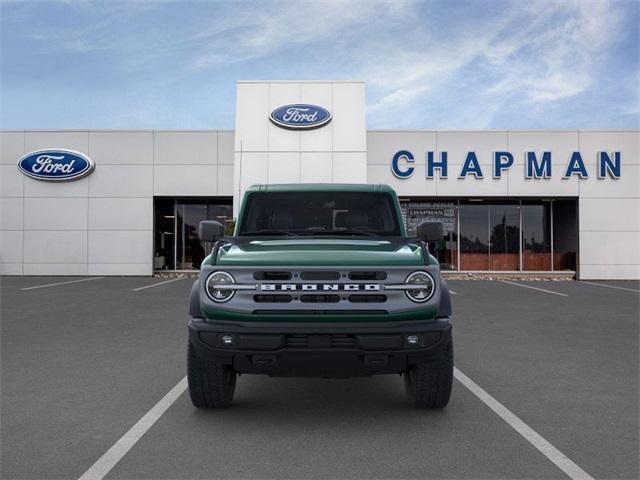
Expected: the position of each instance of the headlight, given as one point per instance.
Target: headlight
(215, 286)
(425, 286)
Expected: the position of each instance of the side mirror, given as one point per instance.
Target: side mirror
(210, 231)
(430, 231)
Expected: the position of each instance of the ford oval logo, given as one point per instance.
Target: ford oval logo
(300, 116)
(56, 165)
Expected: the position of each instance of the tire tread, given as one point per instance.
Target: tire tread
(211, 384)
(428, 384)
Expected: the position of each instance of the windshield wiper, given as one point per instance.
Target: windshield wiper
(346, 232)
(268, 232)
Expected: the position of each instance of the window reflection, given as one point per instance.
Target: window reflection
(536, 236)
(490, 237)
(474, 236)
(446, 250)
(504, 252)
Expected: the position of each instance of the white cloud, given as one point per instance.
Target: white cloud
(293, 25)
(425, 64)
(545, 52)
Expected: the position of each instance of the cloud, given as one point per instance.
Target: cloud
(546, 52)
(426, 64)
(290, 26)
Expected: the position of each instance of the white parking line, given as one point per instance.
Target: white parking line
(157, 284)
(563, 462)
(452, 292)
(118, 450)
(612, 286)
(534, 288)
(61, 283)
(111, 457)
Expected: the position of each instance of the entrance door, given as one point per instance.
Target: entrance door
(189, 251)
(165, 235)
(178, 246)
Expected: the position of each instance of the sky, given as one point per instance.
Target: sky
(427, 65)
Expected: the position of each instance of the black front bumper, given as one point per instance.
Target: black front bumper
(319, 349)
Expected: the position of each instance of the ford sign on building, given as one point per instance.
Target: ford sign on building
(300, 117)
(563, 202)
(56, 165)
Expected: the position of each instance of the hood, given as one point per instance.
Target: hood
(320, 251)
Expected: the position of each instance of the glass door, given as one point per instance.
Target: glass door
(189, 251)
(165, 235)
(177, 244)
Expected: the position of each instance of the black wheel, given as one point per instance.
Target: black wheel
(211, 385)
(428, 384)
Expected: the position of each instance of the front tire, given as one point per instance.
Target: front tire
(428, 384)
(211, 384)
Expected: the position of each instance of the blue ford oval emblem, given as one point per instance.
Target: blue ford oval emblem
(56, 165)
(300, 116)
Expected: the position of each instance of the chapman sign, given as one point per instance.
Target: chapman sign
(537, 165)
(56, 165)
(300, 116)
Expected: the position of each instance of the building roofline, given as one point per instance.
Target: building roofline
(114, 130)
(517, 130)
(369, 130)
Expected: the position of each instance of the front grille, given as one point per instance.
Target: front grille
(364, 276)
(320, 341)
(359, 298)
(320, 275)
(272, 275)
(272, 298)
(319, 298)
(322, 290)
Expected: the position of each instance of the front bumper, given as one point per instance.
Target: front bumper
(319, 349)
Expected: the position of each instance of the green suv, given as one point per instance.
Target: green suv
(320, 280)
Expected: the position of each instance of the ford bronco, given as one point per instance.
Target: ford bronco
(320, 280)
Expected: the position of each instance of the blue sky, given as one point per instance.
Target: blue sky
(434, 65)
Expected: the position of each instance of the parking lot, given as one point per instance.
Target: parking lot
(547, 387)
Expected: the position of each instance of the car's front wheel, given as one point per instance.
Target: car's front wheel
(428, 384)
(211, 384)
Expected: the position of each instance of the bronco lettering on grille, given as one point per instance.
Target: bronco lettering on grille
(322, 287)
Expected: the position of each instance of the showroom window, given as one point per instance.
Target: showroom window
(177, 245)
(500, 235)
(504, 236)
(474, 236)
(536, 235)
(446, 251)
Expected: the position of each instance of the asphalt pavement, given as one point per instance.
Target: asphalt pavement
(83, 360)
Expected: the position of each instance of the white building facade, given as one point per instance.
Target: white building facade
(510, 200)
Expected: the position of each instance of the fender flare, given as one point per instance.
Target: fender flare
(194, 301)
(444, 309)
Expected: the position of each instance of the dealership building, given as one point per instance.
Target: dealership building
(510, 201)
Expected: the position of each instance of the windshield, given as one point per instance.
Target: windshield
(320, 213)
